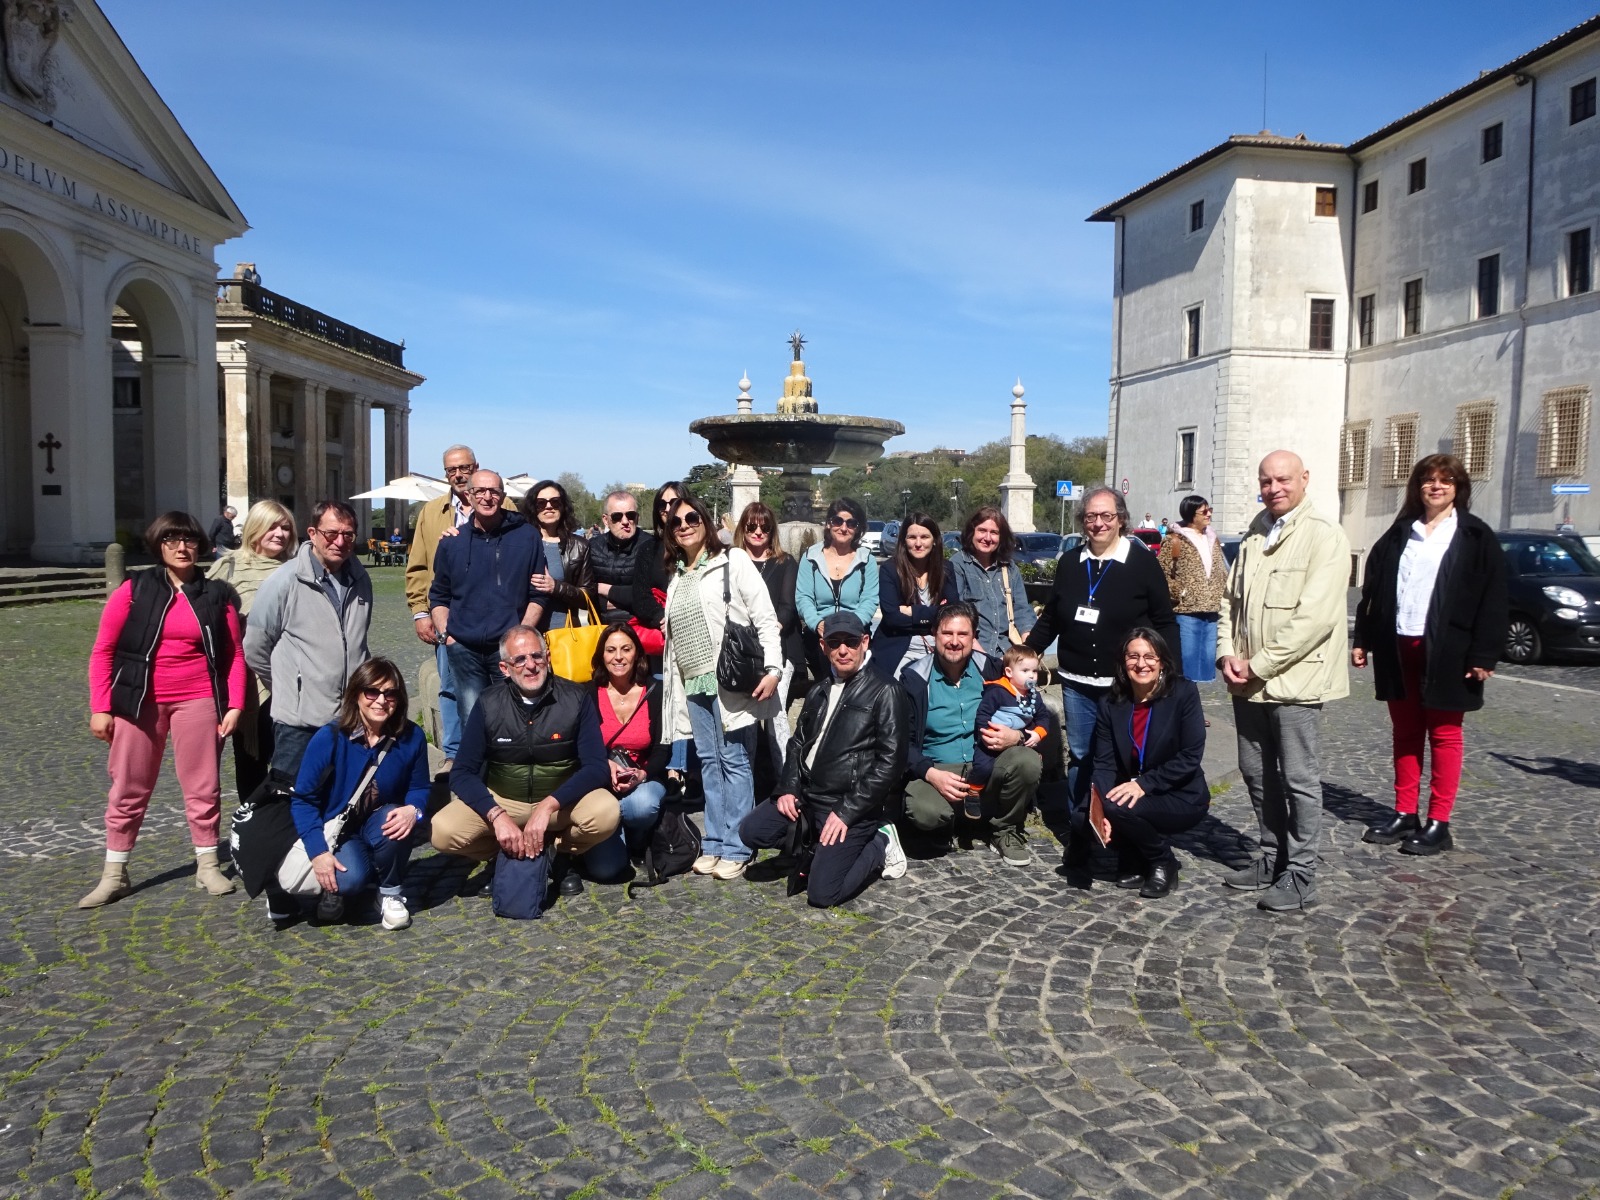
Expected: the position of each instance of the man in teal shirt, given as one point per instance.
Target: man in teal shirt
(945, 688)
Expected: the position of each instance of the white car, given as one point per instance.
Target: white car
(873, 537)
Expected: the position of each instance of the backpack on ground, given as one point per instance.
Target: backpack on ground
(673, 846)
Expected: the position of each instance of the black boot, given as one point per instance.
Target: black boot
(1402, 826)
(1432, 838)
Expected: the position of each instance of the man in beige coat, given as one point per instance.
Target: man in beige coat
(1282, 643)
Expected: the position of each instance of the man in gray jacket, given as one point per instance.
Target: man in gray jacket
(308, 631)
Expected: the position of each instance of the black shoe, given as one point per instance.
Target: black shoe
(1397, 830)
(1130, 877)
(1160, 879)
(571, 884)
(1430, 839)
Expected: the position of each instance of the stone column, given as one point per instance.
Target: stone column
(310, 428)
(395, 456)
(236, 415)
(358, 457)
(1016, 489)
(258, 383)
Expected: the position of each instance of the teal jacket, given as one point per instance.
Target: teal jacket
(815, 595)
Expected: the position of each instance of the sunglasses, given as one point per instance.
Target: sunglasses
(623, 518)
(758, 527)
(842, 522)
(527, 660)
(844, 639)
(179, 539)
(387, 695)
(547, 501)
(690, 518)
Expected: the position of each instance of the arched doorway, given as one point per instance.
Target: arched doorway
(151, 431)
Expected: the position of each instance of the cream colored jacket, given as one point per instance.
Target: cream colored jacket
(1284, 610)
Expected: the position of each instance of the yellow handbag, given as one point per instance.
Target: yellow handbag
(572, 646)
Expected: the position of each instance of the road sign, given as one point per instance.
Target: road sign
(1569, 489)
(1064, 489)
(1124, 485)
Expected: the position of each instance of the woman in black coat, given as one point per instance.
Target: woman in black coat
(912, 587)
(1148, 748)
(1431, 620)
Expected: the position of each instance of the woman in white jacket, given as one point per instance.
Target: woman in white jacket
(722, 723)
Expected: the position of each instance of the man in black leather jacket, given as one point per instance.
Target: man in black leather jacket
(845, 760)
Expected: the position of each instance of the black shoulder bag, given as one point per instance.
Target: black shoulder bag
(741, 663)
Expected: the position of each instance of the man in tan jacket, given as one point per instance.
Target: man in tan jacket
(1282, 643)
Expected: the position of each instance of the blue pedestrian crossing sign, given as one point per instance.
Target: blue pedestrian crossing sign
(1064, 489)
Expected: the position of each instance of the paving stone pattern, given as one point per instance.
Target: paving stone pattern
(1430, 1029)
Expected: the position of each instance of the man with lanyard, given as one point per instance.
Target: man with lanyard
(1101, 590)
(308, 631)
(944, 690)
(846, 757)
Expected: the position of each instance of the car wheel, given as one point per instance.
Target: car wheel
(1522, 641)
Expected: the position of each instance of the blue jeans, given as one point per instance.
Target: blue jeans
(609, 860)
(1198, 638)
(725, 772)
(1081, 704)
(474, 671)
(289, 744)
(449, 714)
(370, 858)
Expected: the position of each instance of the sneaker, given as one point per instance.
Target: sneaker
(705, 864)
(395, 913)
(894, 854)
(281, 920)
(727, 868)
(1290, 893)
(1255, 877)
(330, 907)
(972, 806)
(1012, 845)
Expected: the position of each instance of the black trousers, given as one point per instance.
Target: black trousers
(1139, 832)
(838, 871)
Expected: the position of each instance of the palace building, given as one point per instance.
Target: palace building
(1428, 288)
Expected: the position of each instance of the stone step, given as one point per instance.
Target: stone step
(33, 585)
(11, 599)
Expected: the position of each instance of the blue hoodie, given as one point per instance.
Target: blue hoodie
(484, 579)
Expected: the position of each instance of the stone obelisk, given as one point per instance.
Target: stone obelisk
(744, 483)
(1016, 489)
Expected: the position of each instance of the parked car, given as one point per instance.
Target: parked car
(889, 539)
(1230, 546)
(1038, 547)
(952, 543)
(1150, 537)
(871, 538)
(1554, 591)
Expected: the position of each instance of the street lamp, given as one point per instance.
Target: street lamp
(905, 503)
(955, 499)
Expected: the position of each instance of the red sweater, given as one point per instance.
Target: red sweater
(178, 671)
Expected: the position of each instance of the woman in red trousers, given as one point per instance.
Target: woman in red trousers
(1432, 620)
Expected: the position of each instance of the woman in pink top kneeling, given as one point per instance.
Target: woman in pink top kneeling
(167, 660)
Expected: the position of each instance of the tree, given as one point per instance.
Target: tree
(585, 506)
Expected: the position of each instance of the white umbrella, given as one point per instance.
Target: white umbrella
(407, 487)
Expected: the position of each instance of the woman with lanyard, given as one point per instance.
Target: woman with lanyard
(912, 587)
(987, 579)
(837, 574)
(1102, 590)
(1149, 742)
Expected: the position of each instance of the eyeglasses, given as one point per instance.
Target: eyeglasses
(1099, 518)
(1135, 660)
(690, 518)
(336, 535)
(842, 522)
(179, 539)
(758, 527)
(464, 469)
(374, 695)
(527, 660)
(485, 493)
(547, 501)
(622, 518)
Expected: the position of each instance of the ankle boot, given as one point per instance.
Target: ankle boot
(1400, 827)
(207, 875)
(1430, 839)
(113, 885)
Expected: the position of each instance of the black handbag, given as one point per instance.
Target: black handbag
(741, 663)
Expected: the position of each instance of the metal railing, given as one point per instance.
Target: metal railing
(252, 297)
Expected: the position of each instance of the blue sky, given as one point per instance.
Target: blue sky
(586, 220)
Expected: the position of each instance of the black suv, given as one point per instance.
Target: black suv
(1554, 586)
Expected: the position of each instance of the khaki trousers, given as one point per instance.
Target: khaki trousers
(458, 830)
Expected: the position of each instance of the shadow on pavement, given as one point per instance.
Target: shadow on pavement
(1565, 769)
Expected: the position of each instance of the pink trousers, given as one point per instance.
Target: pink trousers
(135, 764)
(1415, 725)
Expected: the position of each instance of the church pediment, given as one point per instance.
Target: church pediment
(63, 64)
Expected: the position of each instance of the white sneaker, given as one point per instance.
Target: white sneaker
(894, 854)
(728, 868)
(330, 907)
(395, 913)
(706, 864)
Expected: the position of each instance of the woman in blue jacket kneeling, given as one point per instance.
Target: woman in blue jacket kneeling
(375, 842)
(1148, 750)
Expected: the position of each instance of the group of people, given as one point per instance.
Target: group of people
(924, 717)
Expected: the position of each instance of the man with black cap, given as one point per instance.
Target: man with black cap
(846, 758)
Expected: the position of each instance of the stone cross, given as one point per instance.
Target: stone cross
(49, 446)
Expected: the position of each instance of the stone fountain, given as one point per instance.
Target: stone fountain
(796, 438)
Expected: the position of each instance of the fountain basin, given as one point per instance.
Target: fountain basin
(801, 440)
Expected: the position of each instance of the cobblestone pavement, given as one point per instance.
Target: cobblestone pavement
(1430, 1029)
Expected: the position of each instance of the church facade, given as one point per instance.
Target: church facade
(1428, 288)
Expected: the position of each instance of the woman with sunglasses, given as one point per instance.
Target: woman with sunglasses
(1196, 571)
(722, 723)
(757, 535)
(912, 587)
(566, 575)
(167, 660)
(650, 576)
(834, 576)
(374, 843)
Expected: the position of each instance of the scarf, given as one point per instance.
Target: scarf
(1202, 542)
